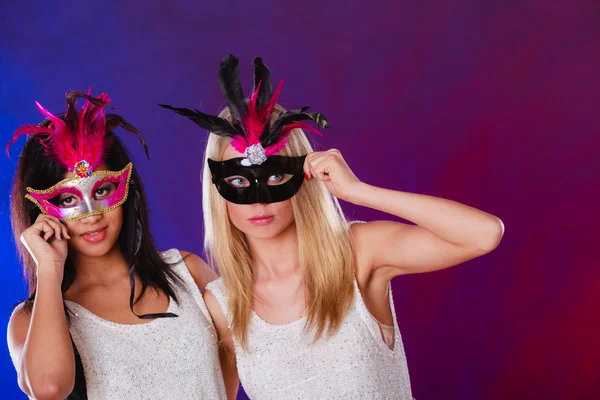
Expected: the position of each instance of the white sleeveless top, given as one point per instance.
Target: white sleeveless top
(281, 362)
(166, 358)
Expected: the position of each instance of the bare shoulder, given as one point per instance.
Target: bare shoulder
(18, 326)
(359, 232)
(369, 239)
(199, 269)
(364, 233)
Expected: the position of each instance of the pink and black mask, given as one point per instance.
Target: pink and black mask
(78, 141)
(260, 176)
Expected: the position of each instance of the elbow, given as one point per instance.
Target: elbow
(45, 388)
(42, 381)
(50, 391)
(489, 238)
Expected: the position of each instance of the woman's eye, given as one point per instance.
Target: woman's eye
(104, 191)
(67, 200)
(237, 181)
(278, 179)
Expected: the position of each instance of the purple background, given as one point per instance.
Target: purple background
(488, 103)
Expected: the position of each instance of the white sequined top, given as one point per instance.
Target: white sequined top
(166, 358)
(281, 362)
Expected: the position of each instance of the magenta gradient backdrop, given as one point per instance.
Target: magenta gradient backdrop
(493, 104)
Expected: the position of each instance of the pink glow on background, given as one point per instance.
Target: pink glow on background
(493, 104)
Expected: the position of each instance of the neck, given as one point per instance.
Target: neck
(277, 256)
(101, 270)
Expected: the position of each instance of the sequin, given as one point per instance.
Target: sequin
(282, 362)
(169, 358)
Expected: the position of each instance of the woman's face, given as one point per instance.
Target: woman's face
(257, 220)
(96, 235)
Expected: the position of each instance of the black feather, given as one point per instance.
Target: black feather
(113, 121)
(213, 124)
(229, 80)
(262, 75)
(71, 115)
(290, 117)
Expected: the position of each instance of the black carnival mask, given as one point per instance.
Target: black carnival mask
(277, 179)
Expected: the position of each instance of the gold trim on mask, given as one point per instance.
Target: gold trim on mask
(91, 213)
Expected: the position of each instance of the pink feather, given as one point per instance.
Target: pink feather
(268, 108)
(253, 123)
(71, 144)
(92, 129)
(239, 144)
(276, 147)
(32, 130)
(255, 120)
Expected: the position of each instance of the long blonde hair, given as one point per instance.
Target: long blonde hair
(324, 247)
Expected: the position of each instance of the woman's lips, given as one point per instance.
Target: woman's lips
(261, 219)
(95, 236)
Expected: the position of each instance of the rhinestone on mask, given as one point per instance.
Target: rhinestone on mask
(82, 169)
(255, 154)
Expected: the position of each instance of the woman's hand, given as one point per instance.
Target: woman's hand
(46, 241)
(39, 341)
(330, 168)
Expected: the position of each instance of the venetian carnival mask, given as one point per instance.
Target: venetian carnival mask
(259, 176)
(79, 197)
(77, 141)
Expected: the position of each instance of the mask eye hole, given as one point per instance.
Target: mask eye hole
(66, 200)
(105, 190)
(237, 181)
(278, 179)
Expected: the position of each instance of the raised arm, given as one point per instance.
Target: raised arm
(446, 232)
(39, 342)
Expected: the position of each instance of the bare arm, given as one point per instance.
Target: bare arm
(446, 233)
(199, 270)
(39, 342)
(226, 346)
(40, 345)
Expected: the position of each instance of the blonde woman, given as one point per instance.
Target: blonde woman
(303, 308)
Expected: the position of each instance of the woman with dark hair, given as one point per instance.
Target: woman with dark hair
(107, 317)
